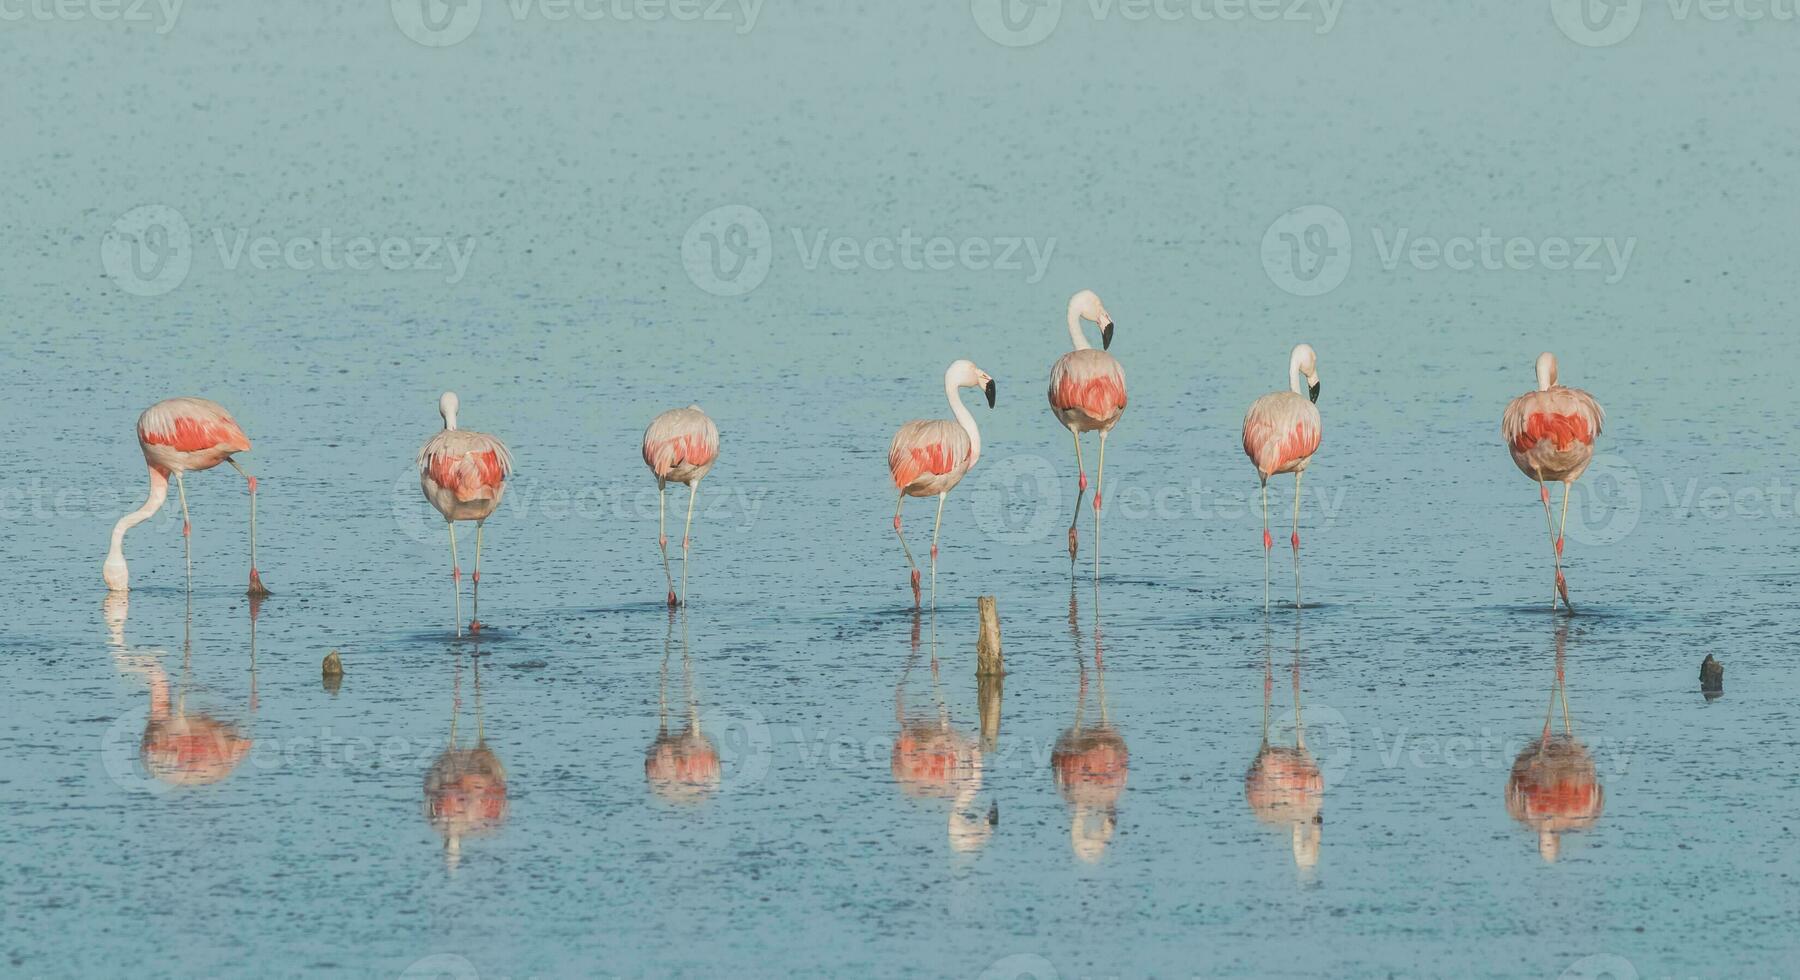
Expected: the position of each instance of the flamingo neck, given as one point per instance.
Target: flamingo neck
(117, 575)
(1294, 375)
(450, 422)
(1076, 336)
(966, 420)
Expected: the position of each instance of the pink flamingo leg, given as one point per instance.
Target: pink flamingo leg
(693, 492)
(909, 558)
(475, 616)
(1555, 542)
(256, 583)
(1562, 585)
(1080, 493)
(662, 536)
(187, 539)
(1296, 538)
(934, 546)
(1268, 542)
(1099, 485)
(455, 577)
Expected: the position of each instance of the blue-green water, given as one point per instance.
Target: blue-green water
(321, 223)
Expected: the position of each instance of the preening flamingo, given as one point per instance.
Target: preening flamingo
(182, 435)
(463, 474)
(1550, 433)
(930, 456)
(1087, 394)
(1281, 433)
(680, 446)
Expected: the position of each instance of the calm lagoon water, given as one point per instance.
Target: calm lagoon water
(793, 776)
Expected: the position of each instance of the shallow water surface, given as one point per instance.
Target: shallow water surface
(1421, 772)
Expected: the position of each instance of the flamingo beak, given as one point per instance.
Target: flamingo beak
(989, 389)
(1106, 335)
(1312, 391)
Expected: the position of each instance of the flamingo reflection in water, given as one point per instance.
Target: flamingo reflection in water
(180, 747)
(1554, 786)
(1284, 786)
(465, 788)
(933, 760)
(1090, 762)
(681, 766)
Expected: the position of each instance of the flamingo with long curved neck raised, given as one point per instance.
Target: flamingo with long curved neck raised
(928, 457)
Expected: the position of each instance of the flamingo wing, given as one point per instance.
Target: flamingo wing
(191, 425)
(1564, 416)
(680, 436)
(927, 447)
(1280, 429)
(1089, 381)
(471, 465)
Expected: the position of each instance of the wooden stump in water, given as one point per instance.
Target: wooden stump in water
(331, 672)
(1712, 677)
(988, 660)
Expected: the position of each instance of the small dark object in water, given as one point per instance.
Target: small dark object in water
(1712, 677)
(994, 813)
(528, 665)
(333, 666)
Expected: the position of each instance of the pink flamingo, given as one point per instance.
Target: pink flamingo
(930, 456)
(1550, 433)
(680, 446)
(181, 435)
(1087, 393)
(463, 474)
(1281, 433)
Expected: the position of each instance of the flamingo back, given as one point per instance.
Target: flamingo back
(464, 473)
(929, 456)
(187, 433)
(1551, 433)
(681, 445)
(1281, 433)
(1087, 389)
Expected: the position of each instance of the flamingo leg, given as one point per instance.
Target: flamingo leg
(256, 585)
(475, 616)
(1296, 539)
(455, 576)
(1562, 586)
(934, 543)
(1080, 492)
(909, 558)
(693, 491)
(1099, 485)
(1555, 548)
(662, 535)
(1268, 542)
(187, 542)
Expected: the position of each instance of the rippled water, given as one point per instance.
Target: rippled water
(799, 774)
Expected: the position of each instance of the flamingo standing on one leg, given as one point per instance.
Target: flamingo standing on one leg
(1281, 433)
(930, 456)
(463, 474)
(1550, 433)
(181, 435)
(680, 446)
(1087, 393)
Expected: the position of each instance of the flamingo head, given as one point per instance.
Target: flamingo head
(1546, 371)
(1305, 363)
(447, 405)
(964, 374)
(1086, 305)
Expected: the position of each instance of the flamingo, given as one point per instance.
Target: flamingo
(680, 446)
(1550, 433)
(928, 457)
(463, 474)
(1087, 393)
(1281, 433)
(181, 435)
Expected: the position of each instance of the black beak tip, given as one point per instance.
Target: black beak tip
(1313, 392)
(1106, 336)
(989, 389)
